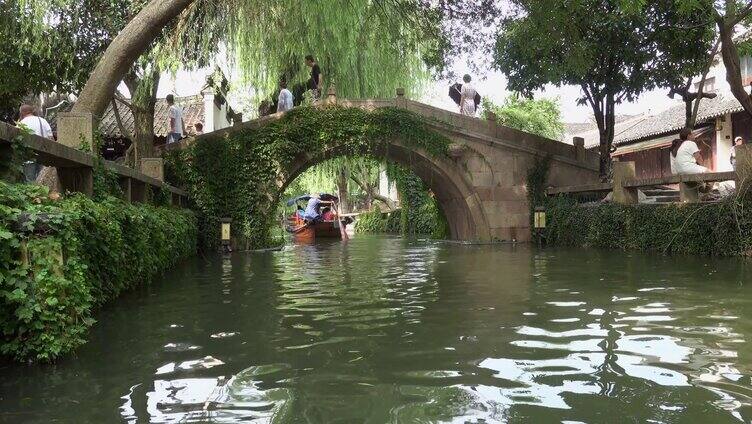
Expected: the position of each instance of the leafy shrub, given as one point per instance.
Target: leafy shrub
(59, 260)
(719, 229)
(376, 222)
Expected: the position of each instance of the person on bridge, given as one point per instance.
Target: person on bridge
(467, 97)
(177, 125)
(199, 128)
(28, 119)
(316, 82)
(685, 156)
(285, 99)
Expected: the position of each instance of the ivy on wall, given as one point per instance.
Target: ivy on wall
(377, 222)
(716, 229)
(236, 176)
(12, 157)
(61, 259)
(420, 213)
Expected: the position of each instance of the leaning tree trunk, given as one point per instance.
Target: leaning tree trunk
(123, 51)
(730, 56)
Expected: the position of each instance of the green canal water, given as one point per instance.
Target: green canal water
(387, 330)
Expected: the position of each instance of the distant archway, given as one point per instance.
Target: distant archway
(454, 193)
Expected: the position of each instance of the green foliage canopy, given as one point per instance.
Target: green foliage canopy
(541, 117)
(53, 46)
(612, 53)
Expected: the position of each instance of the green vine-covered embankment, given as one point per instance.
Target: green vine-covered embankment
(237, 176)
(61, 259)
(419, 215)
(714, 229)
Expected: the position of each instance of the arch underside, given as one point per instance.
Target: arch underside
(446, 179)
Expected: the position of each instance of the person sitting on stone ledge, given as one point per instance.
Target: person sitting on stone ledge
(685, 156)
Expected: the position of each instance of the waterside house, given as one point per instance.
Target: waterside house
(646, 139)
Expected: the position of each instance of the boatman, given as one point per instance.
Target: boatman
(311, 213)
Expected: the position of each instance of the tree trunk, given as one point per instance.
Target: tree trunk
(371, 194)
(143, 99)
(120, 55)
(607, 121)
(730, 57)
(344, 204)
(604, 112)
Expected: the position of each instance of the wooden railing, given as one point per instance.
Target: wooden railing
(75, 168)
(625, 185)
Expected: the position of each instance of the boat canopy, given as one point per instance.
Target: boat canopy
(306, 197)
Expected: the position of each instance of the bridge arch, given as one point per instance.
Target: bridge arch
(453, 191)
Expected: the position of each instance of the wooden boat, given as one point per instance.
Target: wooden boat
(329, 225)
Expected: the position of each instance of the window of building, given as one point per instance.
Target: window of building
(709, 84)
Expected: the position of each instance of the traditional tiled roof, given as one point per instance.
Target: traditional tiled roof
(193, 112)
(671, 120)
(623, 123)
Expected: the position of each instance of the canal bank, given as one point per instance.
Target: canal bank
(583, 216)
(391, 330)
(63, 258)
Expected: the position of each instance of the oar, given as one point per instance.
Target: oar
(342, 231)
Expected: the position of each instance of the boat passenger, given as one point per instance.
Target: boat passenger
(327, 214)
(312, 209)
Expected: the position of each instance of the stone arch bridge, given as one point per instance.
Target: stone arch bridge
(481, 186)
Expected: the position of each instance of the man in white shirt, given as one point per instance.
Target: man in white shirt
(177, 126)
(39, 126)
(285, 99)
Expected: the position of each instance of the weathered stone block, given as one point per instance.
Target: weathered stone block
(622, 172)
(153, 167)
(76, 129)
(125, 186)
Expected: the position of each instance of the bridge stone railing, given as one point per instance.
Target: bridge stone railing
(625, 184)
(75, 168)
(485, 131)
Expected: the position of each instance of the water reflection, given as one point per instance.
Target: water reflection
(387, 330)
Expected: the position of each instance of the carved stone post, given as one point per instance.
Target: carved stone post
(744, 169)
(153, 167)
(76, 130)
(624, 171)
(400, 100)
(579, 148)
(331, 95)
